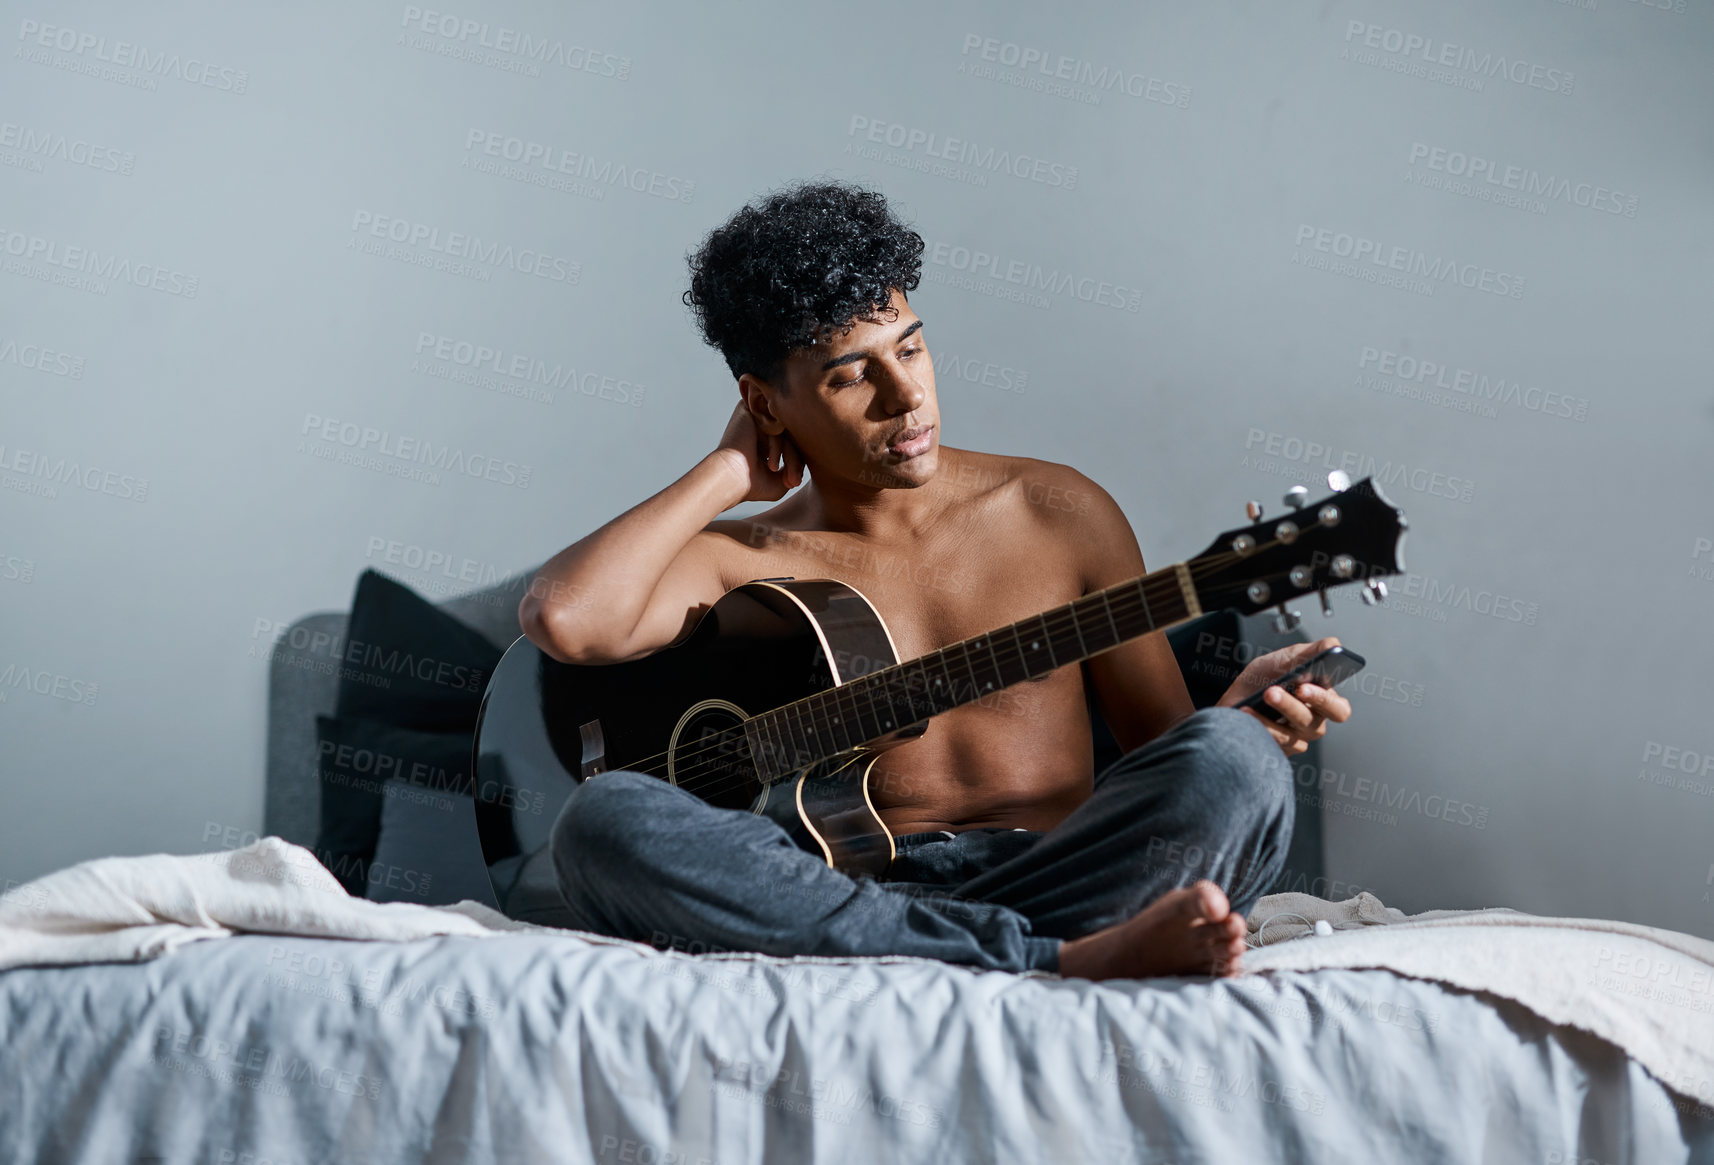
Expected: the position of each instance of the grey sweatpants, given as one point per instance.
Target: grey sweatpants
(641, 859)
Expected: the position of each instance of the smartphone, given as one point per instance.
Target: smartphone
(1331, 667)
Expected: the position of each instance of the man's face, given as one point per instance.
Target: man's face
(855, 397)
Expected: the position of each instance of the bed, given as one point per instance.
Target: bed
(542, 1045)
(538, 1047)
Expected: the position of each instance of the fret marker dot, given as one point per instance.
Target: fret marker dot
(990, 683)
(1035, 645)
(889, 724)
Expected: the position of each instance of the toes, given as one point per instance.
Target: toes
(1227, 960)
(1205, 902)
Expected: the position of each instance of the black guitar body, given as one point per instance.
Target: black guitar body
(545, 726)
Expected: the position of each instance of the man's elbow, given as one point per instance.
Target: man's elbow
(559, 634)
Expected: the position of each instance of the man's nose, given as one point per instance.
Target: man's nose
(901, 390)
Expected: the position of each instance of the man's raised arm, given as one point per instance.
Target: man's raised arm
(638, 582)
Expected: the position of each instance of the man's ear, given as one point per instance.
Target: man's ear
(758, 394)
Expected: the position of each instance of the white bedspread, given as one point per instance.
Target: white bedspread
(1647, 990)
(126, 910)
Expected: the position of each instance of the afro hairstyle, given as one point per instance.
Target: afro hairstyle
(796, 266)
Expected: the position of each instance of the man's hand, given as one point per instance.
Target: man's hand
(1306, 712)
(754, 456)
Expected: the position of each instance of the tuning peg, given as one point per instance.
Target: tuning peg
(1295, 497)
(1338, 481)
(1326, 607)
(1287, 620)
(1374, 591)
(1253, 511)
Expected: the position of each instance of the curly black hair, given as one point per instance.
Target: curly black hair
(805, 261)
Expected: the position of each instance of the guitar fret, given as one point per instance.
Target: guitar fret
(922, 707)
(1021, 658)
(975, 688)
(1082, 647)
(845, 704)
(783, 761)
(1107, 606)
(848, 692)
(898, 692)
(883, 722)
(999, 672)
(827, 730)
(941, 684)
(803, 737)
(1047, 639)
(779, 747)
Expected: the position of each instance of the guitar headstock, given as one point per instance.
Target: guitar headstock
(1354, 535)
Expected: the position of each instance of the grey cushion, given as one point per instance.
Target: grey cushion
(303, 683)
(428, 852)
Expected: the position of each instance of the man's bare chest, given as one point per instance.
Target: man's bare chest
(928, 595)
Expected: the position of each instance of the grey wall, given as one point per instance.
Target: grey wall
(195, 278)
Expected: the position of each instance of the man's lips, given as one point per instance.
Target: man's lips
(911, 440)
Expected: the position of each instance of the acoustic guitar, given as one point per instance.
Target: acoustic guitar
(780, 698)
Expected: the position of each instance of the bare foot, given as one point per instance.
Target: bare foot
(1192, 931)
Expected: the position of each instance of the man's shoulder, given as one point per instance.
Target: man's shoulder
(1008, 474)
(1049, 489)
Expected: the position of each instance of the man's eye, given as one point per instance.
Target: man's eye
(908, 353)
(844, 383)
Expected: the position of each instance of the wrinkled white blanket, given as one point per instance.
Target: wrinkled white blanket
(126, 910)
(1647, 990)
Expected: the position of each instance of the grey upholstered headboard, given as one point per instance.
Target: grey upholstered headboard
(302, 684)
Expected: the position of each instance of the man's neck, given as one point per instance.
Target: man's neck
(880, 515)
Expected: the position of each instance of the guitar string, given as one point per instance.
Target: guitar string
(719, 784)
(1166, 584)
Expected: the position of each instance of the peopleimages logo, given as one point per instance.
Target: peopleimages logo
(39, 473)
(569, 170)
(36, 251)
(1058, 75)
(1521, 186)
(401, 456)
(1374, 261)
(458, 245)
(1477, 600)
(47, 683)
(1290, 456)
(35, 144)
(122, 54)
(1424, 56)
(451, 358)
(40, 359)
(992, 274)
(1699, 569)
(534, 51)
(932, 147)
(1405, 373)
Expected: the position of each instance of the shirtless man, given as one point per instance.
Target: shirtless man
(1031, 858)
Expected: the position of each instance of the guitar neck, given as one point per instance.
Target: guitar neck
(880, 703)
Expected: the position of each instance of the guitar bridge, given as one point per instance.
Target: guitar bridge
(594, 749)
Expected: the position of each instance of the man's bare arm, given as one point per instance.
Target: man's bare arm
(639, 582)
(1137, 685)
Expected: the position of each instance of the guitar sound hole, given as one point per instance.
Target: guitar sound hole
(712, 760)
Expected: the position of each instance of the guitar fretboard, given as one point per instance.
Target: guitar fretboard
(787, 738)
